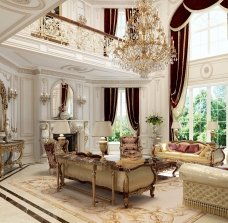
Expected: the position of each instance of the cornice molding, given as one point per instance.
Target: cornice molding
(132, 83)
(8, 63)
(58, 74)
(26, 71)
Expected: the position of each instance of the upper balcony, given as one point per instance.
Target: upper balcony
(59, 44)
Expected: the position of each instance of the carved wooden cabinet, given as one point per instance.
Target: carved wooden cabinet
(10, 154)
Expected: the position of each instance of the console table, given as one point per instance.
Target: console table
(10, 154)
(106, 173)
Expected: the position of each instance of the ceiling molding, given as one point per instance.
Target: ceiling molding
(25, 5)
(8, 63)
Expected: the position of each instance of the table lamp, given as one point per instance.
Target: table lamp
(175, 126)
(103, 129)
(212, 126)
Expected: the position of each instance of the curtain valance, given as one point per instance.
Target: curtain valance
(183, 12)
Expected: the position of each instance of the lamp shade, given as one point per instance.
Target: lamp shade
(212, 125)
(102, 129)
(176, 125)
(61, 127)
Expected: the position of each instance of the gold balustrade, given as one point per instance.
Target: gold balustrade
(67, 32)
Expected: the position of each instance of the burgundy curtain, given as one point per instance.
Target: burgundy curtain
(179, 32)
(64, 95)
(110, 103)
(128, 13)
(110, 21)
(132, 100)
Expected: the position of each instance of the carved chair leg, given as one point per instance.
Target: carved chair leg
(152, 191)
(125, 199)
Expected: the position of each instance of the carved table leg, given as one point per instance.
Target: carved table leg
(176, 168)
(126, 190)
(113, 187)
(94, 184)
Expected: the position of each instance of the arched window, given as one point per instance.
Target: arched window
(208, 33)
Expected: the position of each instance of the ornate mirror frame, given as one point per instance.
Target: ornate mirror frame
(55, 104)
(3, 106)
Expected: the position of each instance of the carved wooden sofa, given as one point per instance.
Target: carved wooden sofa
(127, 178)
(190, 152)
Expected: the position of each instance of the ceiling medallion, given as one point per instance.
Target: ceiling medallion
(144, 47)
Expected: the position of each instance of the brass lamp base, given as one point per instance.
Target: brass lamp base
(103, 148)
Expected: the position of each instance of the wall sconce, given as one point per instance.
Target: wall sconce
(44, 97)
(81, 100)
(12, 94)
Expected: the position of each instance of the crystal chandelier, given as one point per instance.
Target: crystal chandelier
(144, 47)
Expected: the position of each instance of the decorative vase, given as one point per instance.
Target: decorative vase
(64, 115)
(154, 131)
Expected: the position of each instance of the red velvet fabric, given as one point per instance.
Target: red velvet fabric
(132, 99)
(178, 69)
(172, 146)
(110, 103)
(224, 3)
(182, 148)
(64, 95)
(110, 20)
(193, 148)
(179, 17)
(199, 5)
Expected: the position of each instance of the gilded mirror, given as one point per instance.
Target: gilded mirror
(62, 101)
(3, 106)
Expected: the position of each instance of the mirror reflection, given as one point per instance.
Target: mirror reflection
(62, 101)
(3, 106)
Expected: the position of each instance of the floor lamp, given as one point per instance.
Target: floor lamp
(102, 129)
(212, 126)
(175, 126)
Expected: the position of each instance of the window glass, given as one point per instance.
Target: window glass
(218, 112)
(208, 33)
(121, 23)
(184, 120)
(121, 125)
(199, 113)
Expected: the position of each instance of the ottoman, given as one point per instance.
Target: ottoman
(205, 188)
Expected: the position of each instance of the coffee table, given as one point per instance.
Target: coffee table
(162, 164)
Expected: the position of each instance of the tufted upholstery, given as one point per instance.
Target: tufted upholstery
(190, 151)
(129, 147)
(52, 147)
(205, 188)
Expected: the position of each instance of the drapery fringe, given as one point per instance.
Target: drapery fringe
(209, 208)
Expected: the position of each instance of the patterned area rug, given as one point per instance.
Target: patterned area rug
(165, 207)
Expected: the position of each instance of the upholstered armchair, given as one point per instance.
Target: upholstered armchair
(52, 147)
(130, 147)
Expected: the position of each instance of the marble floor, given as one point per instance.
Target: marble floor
(16, 206)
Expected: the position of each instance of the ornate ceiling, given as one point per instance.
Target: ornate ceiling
(17, 14)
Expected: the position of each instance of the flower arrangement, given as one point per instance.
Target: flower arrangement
(154, 119)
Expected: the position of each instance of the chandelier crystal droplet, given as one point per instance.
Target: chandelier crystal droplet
(144, 47)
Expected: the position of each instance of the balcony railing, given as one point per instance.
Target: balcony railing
(71, 33)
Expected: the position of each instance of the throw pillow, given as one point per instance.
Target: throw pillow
(182, 148)
(192, 148)
(172, 146)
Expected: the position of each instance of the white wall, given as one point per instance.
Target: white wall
(21, 110)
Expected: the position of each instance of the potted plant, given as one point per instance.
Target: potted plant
(155, 121)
